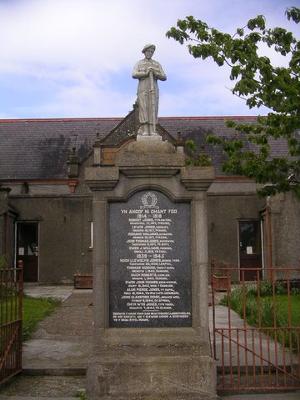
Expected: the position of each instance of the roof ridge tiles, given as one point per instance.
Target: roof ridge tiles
(216, 117)
(12, 120)
(212, 117)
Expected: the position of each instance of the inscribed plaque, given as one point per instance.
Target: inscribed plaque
(150, 271)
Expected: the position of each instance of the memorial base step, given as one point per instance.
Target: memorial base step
(159, 378)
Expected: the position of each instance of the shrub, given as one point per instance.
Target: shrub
(266, 288)
(295, 291)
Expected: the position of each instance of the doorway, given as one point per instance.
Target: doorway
(250, 250)
(27, 249)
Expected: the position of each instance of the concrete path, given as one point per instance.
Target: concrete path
(43, 387)
(61, 292)
(35, 398)
(276, 396)
(63, 340)
(265, 396)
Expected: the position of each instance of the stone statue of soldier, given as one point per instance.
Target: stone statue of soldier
(148, 72)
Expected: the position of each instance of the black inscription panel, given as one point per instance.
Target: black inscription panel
(150, 271)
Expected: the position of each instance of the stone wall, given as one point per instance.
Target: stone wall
(285, 220)
(64, 234)
(7, 217)
(224, 212)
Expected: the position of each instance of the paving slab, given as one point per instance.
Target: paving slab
(61, 292)
(33, 387)
(35, 398)
(265, 396)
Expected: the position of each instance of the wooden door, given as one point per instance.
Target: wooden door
(27, 249)
(250, 250)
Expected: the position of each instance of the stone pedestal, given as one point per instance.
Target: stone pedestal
(154, 345)
(154, 136)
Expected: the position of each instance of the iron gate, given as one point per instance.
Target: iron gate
(256, 328)
(11, 295)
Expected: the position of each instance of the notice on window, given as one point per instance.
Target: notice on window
(249, 250)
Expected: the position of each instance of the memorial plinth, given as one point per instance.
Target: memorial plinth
(151, 334)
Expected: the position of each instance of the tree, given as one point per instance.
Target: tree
(258, 82)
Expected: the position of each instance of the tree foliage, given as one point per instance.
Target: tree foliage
(195, 157)
(259, 83)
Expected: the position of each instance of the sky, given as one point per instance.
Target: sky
(74, 58)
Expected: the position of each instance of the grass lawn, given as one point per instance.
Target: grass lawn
(34, 311)
(282, 304)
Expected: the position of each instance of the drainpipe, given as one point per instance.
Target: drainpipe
(5, 233)
(269, 239)
(4, 208)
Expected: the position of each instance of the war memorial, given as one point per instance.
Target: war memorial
(119, 203)
(150, 265)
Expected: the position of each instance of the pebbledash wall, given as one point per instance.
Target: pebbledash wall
(41, 175)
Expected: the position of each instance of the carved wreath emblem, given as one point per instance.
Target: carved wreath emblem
(149, 200)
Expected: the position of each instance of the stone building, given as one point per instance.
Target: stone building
(46, 208)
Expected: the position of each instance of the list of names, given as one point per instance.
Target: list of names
(149, 271)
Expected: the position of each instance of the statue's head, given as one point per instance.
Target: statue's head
(148, 50)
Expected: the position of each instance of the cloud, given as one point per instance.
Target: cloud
(89, 34)
(80, 54)
(80, 100)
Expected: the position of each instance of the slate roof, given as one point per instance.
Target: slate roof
(39, 148)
